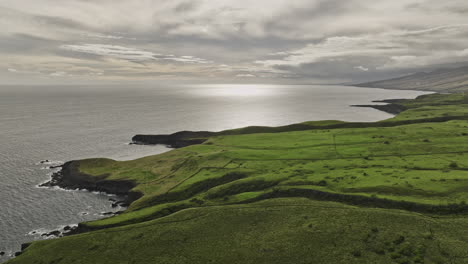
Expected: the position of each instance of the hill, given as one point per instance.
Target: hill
(442, 80)
(392, 191)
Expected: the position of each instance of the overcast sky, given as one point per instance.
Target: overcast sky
(287, 41)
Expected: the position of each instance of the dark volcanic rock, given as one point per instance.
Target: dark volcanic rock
(68, 229)
(24, 246)
(52, 233)
(119, 203)
(69, 177)
(176, 140)
(122, 203)
(2, 253)
(392, 107)
(108, 213)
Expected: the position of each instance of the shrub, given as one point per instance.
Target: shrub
(322, 183)
(197, 201)
(399, 240)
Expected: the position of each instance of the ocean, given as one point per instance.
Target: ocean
(61, 123)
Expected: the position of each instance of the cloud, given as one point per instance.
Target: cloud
(130, 54)
(362, 68)
(334, 48)
(106, 36)
(58, 74)
(395, 50)
(301, 40)
(184, 59)
(245, 75)
(112, 51)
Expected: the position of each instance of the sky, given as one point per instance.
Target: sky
(234, 41)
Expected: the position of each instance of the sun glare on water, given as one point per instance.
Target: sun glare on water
(235, 90)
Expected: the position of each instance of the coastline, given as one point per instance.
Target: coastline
(391, 106)
(187, 138)
(70, 178)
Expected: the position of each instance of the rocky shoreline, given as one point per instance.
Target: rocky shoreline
(70, 178)
(175, 140)
(391, 106)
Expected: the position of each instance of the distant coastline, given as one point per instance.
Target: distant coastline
(187, 138)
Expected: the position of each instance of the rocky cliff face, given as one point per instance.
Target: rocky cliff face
(70, 177)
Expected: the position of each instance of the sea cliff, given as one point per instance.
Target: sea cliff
(70, 177)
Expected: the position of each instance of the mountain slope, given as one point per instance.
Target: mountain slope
(442, 80)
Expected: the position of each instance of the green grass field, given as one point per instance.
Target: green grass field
(393, 191)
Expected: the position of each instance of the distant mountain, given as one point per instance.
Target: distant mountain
(442, 80)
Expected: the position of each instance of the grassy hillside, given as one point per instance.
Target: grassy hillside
(443, 80)
(273, 231)
(393, 191)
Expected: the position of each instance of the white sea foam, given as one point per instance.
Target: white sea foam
(39, 232)
(49, 163)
